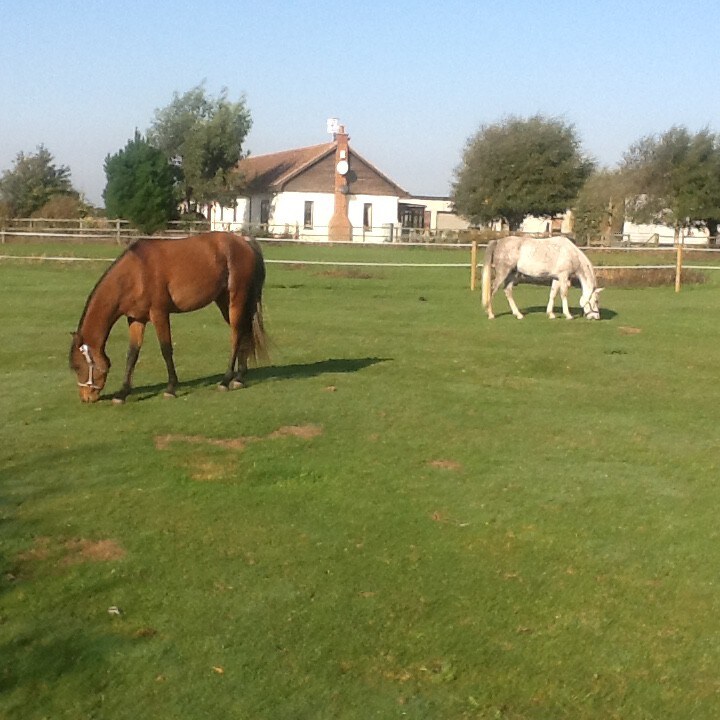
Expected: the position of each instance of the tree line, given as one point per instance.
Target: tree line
(509, 169)
(536, 166)
(186, 158)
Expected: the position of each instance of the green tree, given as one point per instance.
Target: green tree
(203, 137)
(599, 210)
(141, 186)
(32, 181)
(520, 167)
(674, 178)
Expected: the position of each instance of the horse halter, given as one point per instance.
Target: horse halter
(590, 312)
(85, 350)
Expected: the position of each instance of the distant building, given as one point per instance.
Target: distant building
(327, 191)
(648, 234)
(560, 224)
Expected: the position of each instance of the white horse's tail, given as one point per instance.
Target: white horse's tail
(487, 273)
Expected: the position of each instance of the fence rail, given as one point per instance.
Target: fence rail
(92, 230)
(120, 232)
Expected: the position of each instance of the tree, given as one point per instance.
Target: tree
(520, 167)
(203, 138)
(141, 186)
(599, 210)
(32, 181)
(674, 178)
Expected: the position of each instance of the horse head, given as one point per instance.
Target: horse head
(91, 366)
(590, 304)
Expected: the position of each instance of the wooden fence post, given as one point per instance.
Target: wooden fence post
(473, 265)
(678, 261)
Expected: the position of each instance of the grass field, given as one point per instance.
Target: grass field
(411, 512)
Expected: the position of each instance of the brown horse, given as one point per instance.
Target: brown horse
(154, 278)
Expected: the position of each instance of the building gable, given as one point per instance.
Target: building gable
(312, 169)
(268, 173)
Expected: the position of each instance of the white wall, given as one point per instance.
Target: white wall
(450, 221)
(287, 215)
(384, 213)
(541, 225)
(230, 218)
(662, 234)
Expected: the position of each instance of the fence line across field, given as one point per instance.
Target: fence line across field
(473, 265)
(126, 234)
(119, 235)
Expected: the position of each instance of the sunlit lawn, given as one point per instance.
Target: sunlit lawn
(410, 512)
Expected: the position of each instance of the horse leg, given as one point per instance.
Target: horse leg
(564, 287)
(161, 321)
(490, 313)
(511, 301)
(223, 303)
(136, 330)
(500, 277)
(551, 302)
(232, 310)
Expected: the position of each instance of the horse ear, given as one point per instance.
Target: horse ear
(599, 290)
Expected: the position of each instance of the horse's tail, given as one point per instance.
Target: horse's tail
(487, 273)
(258, 340)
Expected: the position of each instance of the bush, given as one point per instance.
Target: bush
(62, 207)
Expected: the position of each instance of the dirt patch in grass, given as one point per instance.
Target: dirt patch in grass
(628, 330)
(162, 442)
(306, 432)
(445, 464)
(646, 277)
(351, 273)
(41, 550)
(206, 470)
(82, 550)
(209, 469)
(71, 552)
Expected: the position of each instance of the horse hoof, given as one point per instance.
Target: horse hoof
(236, 384)
(118, 401)
(222, 388)
(171, 395)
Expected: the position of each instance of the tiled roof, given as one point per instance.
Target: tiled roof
(270, 173)
(274, 170)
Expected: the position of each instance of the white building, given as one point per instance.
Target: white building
(327, 191)
(650, 234)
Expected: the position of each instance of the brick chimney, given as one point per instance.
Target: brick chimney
(339, 227)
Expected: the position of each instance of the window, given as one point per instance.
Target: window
(264, 212)
(411, 216)
(308, 223)
(367, 216)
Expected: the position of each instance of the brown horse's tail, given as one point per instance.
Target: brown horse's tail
(487, 273)
(258, 341)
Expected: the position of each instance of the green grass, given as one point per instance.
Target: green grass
(482, 519)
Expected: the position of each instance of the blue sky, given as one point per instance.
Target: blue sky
(411, 81)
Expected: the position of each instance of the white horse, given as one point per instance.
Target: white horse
(556, 258)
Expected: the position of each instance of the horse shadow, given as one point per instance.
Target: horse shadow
(292, 371)
(605, 313)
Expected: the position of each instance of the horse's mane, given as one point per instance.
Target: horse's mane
(108, 270)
